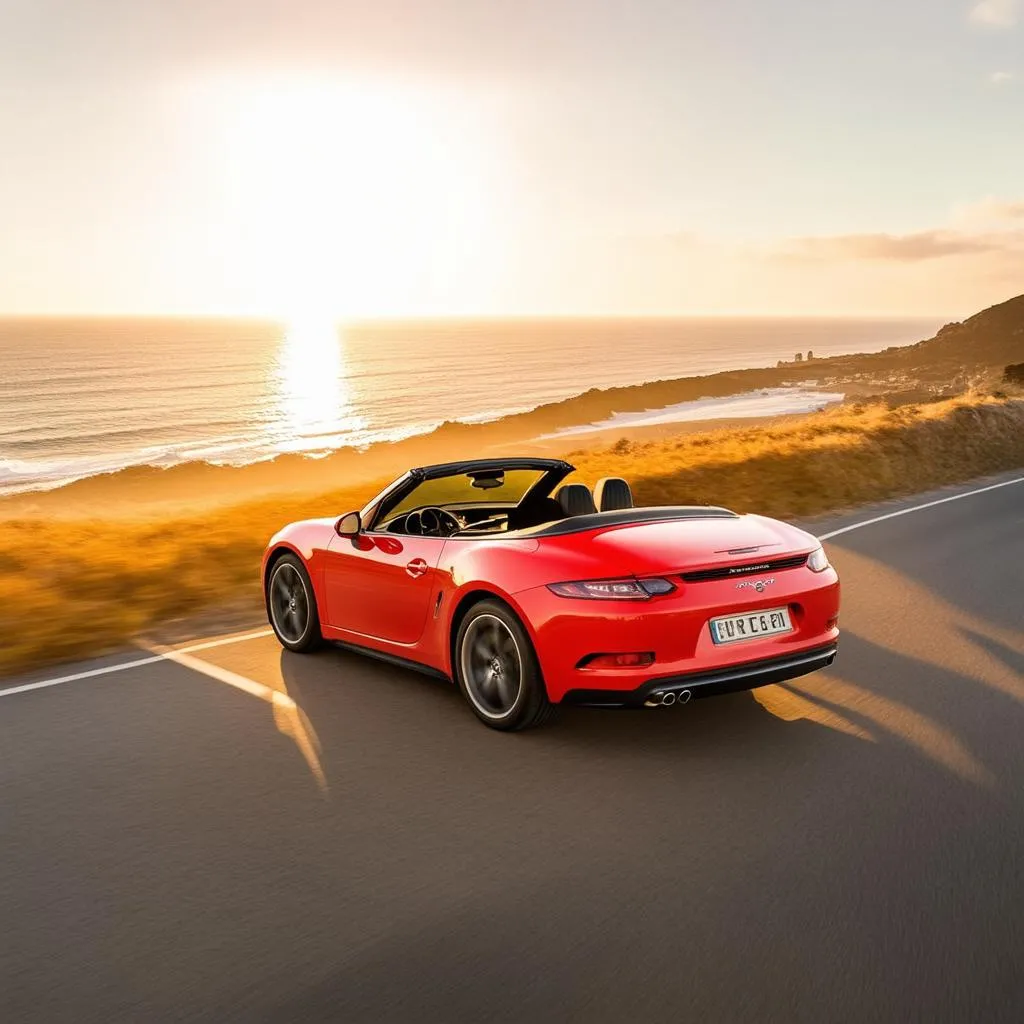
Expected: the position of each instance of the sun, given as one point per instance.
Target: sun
(346, 198)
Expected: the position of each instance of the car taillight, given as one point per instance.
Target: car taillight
(817, 560)
(613, 590)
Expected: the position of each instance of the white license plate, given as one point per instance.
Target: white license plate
(727, 629)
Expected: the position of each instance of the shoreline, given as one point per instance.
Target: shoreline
(372, 407)
(151, 491)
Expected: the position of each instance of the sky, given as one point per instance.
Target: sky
(487, 157)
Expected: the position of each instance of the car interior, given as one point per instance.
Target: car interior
(489, 518)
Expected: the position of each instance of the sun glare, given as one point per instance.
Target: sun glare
(314, 392)
(347, 199)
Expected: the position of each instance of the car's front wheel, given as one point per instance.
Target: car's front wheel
(497, 669)
(291, 605)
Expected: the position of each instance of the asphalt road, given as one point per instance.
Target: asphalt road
(253, 835)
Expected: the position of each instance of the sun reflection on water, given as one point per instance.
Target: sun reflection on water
(314, 393)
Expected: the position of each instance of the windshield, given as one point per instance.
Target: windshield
(459, 491)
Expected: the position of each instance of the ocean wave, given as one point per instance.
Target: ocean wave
(19, 475)
(493, 415)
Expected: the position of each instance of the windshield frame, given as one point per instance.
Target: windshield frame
(552, 472)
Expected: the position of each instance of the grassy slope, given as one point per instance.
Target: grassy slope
(73, 589)
(835, 459)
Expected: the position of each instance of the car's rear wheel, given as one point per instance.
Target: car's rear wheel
(497, 669)
(291, 605)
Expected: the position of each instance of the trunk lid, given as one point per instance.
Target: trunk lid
(687, 545)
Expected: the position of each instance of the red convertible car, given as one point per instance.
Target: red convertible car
(529, 592)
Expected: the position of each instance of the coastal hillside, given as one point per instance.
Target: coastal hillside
(992, 337)
(995, 335)
(989, 340)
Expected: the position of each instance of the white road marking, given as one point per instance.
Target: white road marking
(257, 690)
(222, 642)
(224, 675)
(135, 663)
(918, 508)
(288, 716)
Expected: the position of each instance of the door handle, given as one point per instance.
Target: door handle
(417, 567)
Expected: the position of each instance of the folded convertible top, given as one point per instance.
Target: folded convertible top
(620, 517)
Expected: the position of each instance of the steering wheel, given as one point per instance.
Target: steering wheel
(431, 522)
(438, 522)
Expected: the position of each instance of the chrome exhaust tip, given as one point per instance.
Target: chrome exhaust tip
(666, 698)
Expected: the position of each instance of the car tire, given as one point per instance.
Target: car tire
(496, 669)
(291, 605)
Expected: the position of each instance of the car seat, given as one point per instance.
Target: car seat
(575, 499)
(611, 493)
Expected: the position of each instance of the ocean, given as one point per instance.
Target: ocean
(80, 397)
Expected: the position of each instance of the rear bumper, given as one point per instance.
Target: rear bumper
(745, 676)
(675, 628)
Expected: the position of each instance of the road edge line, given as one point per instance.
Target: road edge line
(134, 663)
(918, 508)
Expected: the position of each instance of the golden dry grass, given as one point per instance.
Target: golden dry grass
(841, 457)
(78, 588)
(74, 588)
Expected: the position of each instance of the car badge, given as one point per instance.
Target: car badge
(757, 585)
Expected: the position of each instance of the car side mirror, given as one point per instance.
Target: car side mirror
(349, 525)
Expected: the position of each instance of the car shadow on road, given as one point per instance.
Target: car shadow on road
(954, 720)
(353, 700)
(872, 698)
(1012, 659)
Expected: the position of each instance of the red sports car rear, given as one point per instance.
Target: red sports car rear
(744, 609)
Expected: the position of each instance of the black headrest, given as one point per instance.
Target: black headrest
(612, 493)
(576, 499)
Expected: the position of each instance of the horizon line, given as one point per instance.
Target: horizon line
(476, 317)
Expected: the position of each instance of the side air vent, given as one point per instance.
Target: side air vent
(729, 571)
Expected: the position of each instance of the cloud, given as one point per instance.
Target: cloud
(913, 248)
(994, 13)
(1002, 77)
(970, 259)
(990, 214)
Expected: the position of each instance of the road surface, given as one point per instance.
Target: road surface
(245, 834)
